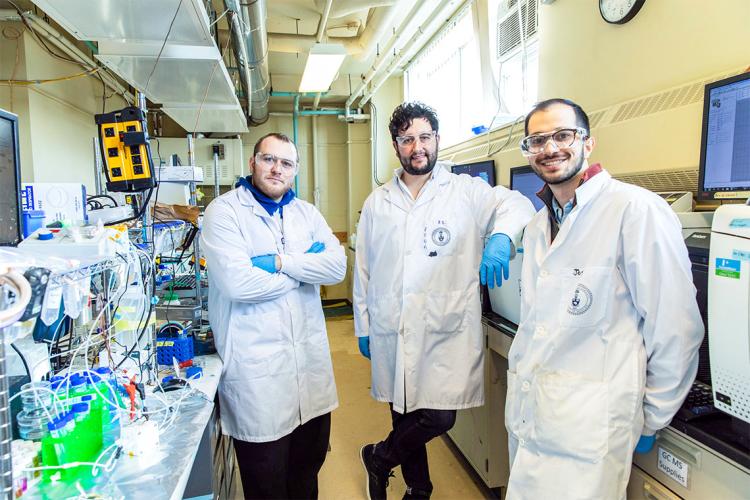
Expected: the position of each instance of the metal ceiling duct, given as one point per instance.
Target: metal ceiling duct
(250, 43)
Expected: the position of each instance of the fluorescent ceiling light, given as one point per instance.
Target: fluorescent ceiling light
(322, 65)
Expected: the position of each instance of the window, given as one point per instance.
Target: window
(447, 76)
(515, 56)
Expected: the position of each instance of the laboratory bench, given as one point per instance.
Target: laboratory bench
(192, 459)
(699, 459)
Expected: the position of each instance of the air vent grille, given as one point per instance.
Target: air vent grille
(508, 32)
(664, 181)
(673, 98)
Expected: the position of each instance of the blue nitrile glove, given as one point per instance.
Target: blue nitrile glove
(316, 247)
(645, 444)
(265, 262)
(364, 346)
(495, 260)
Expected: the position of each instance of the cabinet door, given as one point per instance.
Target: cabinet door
(644, 487)
(470, 431)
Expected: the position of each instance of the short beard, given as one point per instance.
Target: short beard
(406, 163)
(573, 172)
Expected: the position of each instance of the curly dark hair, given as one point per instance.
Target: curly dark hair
(406, 112)
(582, 119)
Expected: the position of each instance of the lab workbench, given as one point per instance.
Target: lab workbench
(713, 463)
(189, 453)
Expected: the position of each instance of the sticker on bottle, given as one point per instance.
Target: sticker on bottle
(728, 268)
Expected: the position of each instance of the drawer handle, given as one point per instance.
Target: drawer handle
(682, 449)
(653, 494)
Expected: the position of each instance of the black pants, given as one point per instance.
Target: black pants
(405, 445)
(287, 467)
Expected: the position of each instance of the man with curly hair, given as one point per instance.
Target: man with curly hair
(420, 258)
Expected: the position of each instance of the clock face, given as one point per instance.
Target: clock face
(619, 11)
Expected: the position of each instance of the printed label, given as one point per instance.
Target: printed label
(741, 254)
(673, 467)
(740, 223)
(729, 195)
(728, 268)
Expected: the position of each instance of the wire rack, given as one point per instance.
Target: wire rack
(83, 272)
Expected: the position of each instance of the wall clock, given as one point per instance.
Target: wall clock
(619, 11)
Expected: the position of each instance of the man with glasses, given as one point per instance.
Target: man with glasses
(417, 313)
(607, 346)
(268, 252)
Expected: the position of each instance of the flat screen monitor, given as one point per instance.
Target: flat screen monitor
(525, 181)
(10, 180)
(483, 169)
(724, 171)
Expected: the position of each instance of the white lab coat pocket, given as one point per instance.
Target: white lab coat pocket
(440, 236)
(584, 295)
(384, 314)
(512, 413)
(571, 416)
(444, 312)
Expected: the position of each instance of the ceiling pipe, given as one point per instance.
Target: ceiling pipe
(418, 9)
(350, 7)
(252, 18)
(240, 55)
(381, 20)
(321, 31)
(56, 38)
(446, 15)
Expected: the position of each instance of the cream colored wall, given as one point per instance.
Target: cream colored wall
(668, 44)
(390, 95)
(57, 119)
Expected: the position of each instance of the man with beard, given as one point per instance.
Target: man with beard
(607, 346)
(268, 252)
(417, 311)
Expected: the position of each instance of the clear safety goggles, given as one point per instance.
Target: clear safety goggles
(268, 160)
(407, 141)
(563, 138)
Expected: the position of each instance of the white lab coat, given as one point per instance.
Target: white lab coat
(607, 347)
(416, 287)
(269, 329)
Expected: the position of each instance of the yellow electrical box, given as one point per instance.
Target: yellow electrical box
(125, 150)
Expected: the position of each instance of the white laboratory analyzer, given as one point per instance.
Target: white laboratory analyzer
(729, 310)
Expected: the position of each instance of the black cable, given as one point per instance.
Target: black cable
(23, 359)
(140, 212)
(94, 197)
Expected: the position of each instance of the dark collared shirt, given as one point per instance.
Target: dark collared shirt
(557, 214)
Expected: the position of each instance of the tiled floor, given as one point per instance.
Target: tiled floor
(360, 419)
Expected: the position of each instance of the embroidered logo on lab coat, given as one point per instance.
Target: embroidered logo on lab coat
(441, 236)
(581, 301)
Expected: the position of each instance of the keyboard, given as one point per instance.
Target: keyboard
(699, 402)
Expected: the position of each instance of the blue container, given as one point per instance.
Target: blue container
(32, 220)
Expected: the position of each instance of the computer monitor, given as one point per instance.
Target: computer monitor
(525, 181)
(483, 169)
(724, 172)
(10, 180)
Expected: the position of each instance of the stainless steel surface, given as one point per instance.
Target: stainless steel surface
(190, 312)
(253, 17)
(163, 48)
(240, 50)
(97, 166)
(217, 190)
(6, 469)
